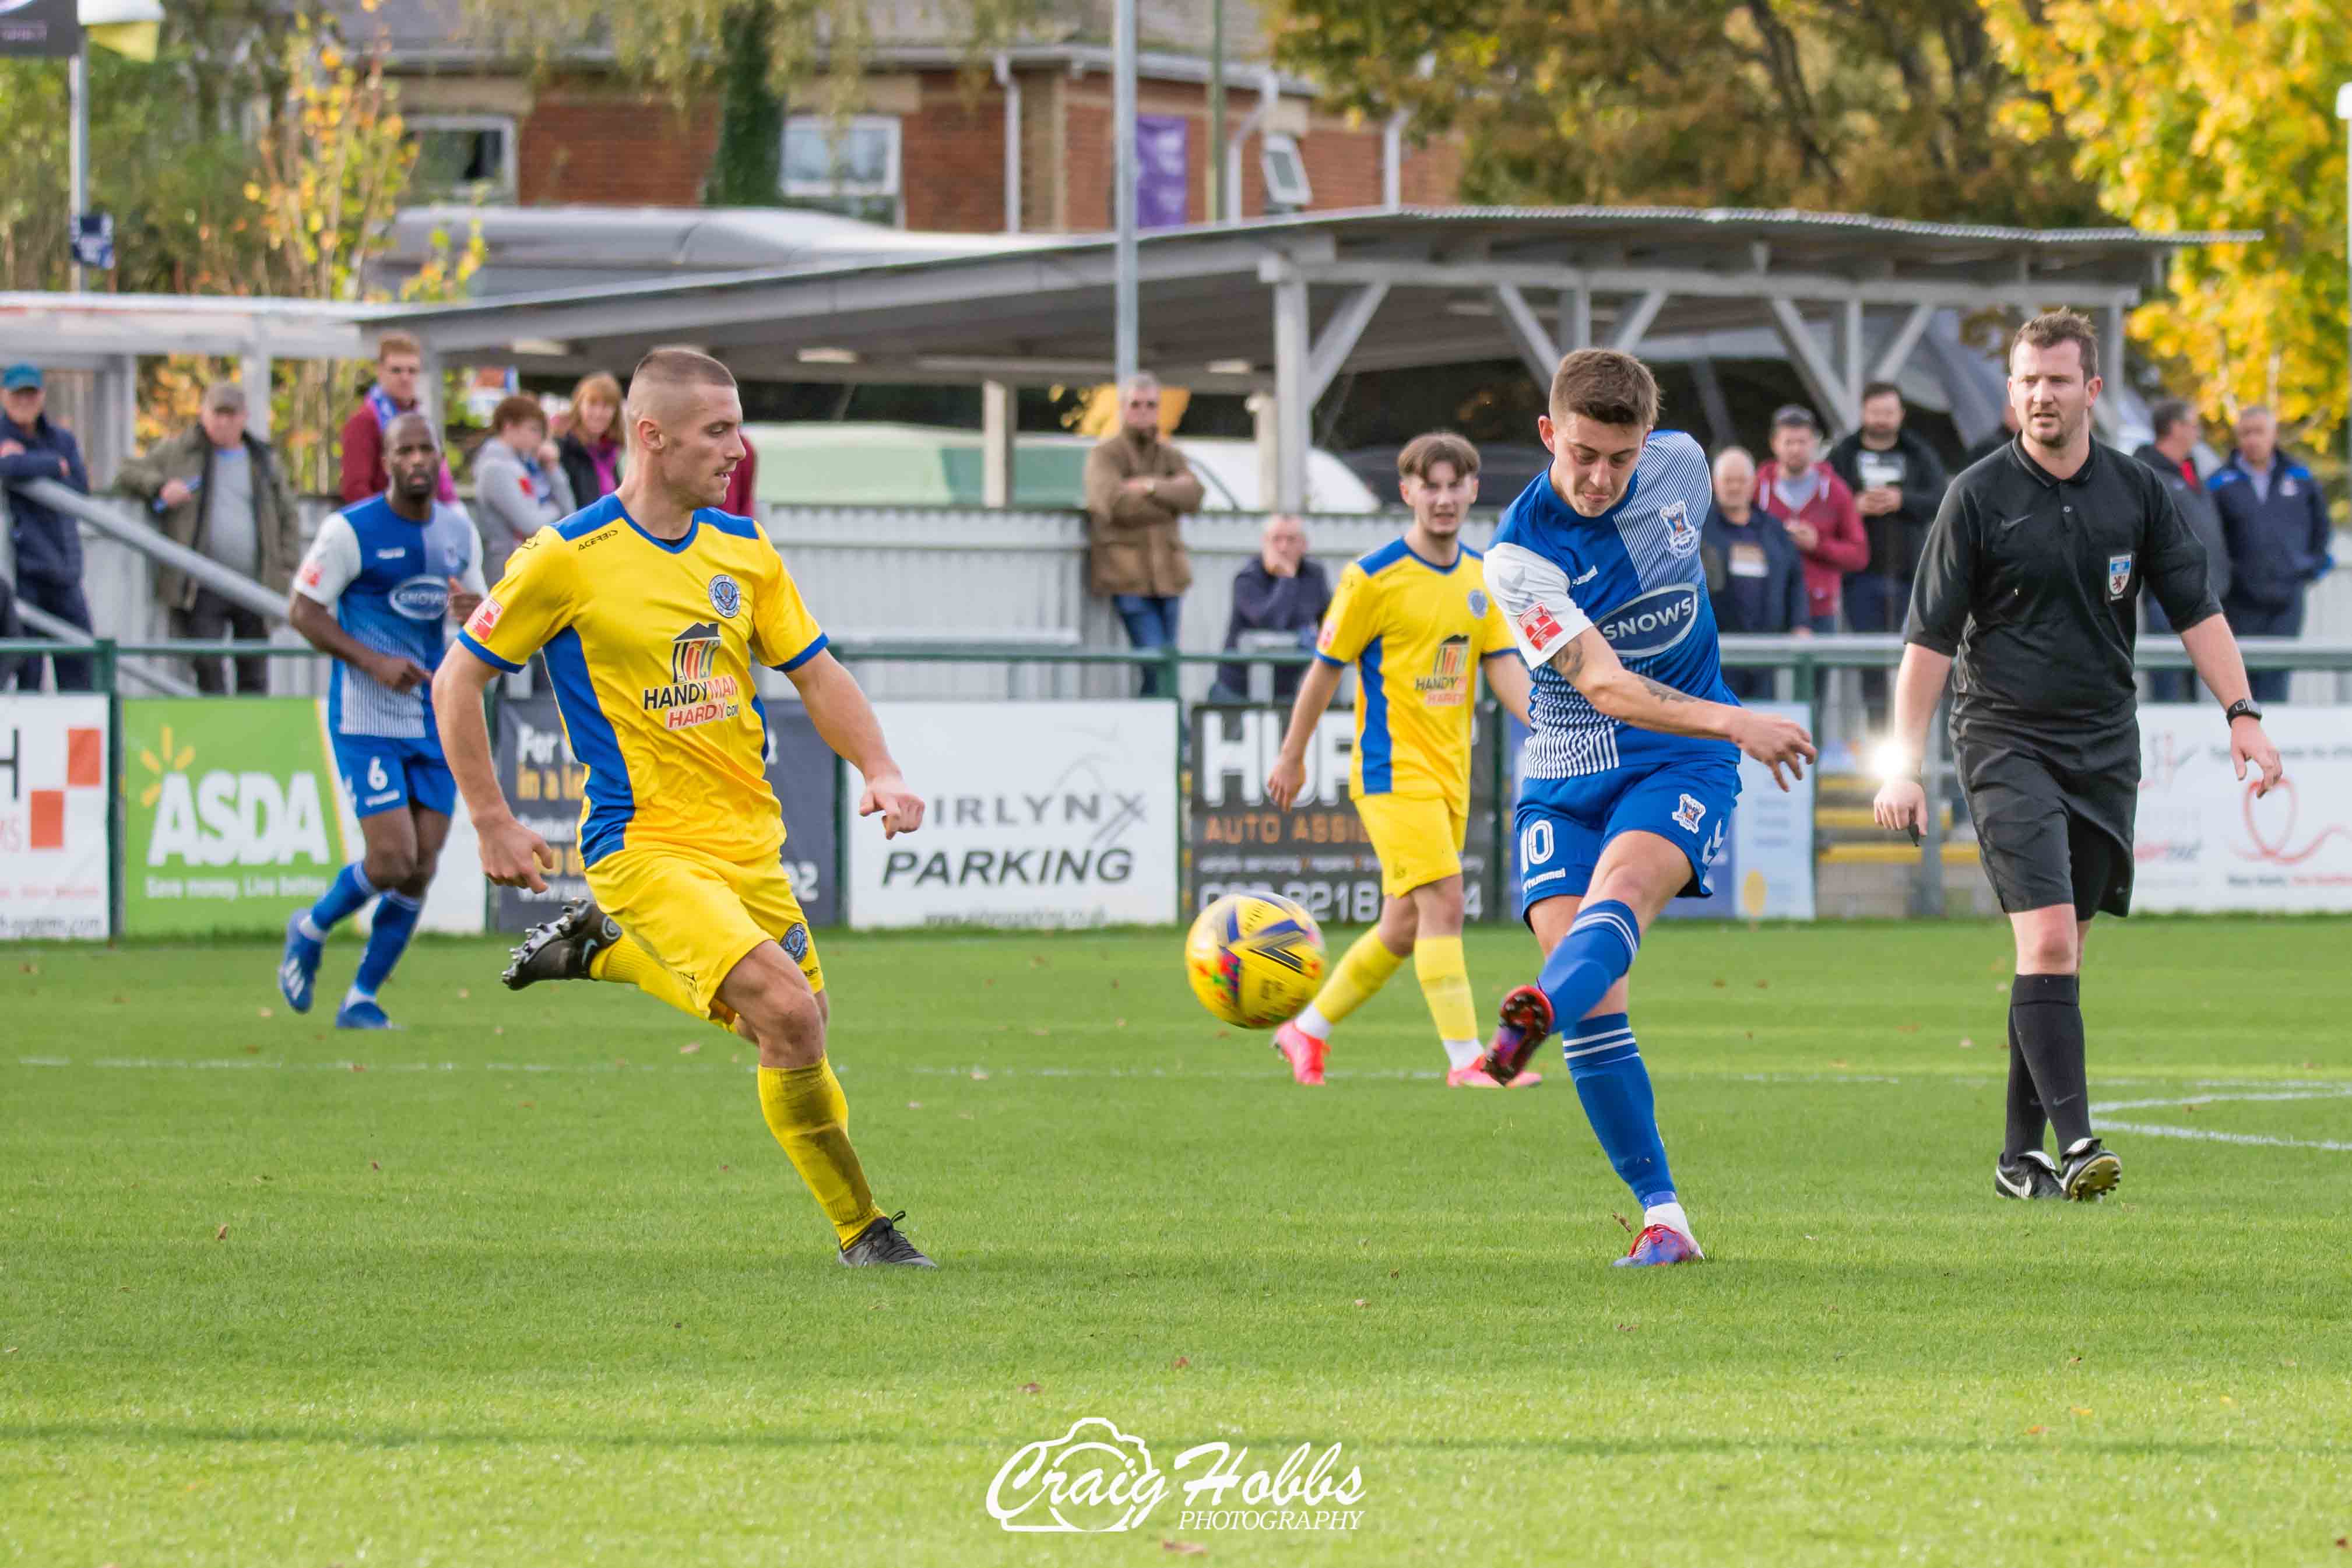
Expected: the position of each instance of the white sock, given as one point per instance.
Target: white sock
(1671, 1215)
(356, 994)
(1313, 1023)
(1462, 1053)
(309, 928)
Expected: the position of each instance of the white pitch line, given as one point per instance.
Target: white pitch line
(2333, 1092)
(2212, 1135)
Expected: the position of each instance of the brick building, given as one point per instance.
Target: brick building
(926, 146)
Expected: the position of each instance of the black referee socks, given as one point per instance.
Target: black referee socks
(2027, 1124)
(2045, 1018)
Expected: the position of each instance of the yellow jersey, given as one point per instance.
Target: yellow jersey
(650, 644)
(1416, 634)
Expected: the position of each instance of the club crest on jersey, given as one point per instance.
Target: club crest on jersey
(1688, 813)
(1447, 684)
(1681, 534)
(725, 597)
(2120, 568)
(695, 695)
(1477, 603)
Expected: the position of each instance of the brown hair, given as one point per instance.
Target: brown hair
(1424, 453)
(1606, 385)
(2051, 327)
(602, 385)
(397, 344)
(519, 409)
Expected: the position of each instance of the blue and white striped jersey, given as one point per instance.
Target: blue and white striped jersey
(1549, 569)
(387, 580)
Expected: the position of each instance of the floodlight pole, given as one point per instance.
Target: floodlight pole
(1127, 355)
(78, 151)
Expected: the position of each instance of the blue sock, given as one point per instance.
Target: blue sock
(1594, 955)
(395, 923)
(344, 897)
(1615, 1088)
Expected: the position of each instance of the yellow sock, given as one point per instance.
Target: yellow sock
(810, 1117)
(1363, 969)
(626, 962)
(1445, 978)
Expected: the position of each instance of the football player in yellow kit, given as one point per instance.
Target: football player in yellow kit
(1416, 620)
(650, 607)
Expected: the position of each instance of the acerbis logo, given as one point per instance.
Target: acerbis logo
(425, 598)
(1649, 624)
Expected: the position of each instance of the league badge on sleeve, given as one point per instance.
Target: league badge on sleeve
(2119, 571)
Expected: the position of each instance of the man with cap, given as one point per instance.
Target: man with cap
(219, 491)
(48, 544)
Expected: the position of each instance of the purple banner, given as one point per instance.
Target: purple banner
(1161, 198)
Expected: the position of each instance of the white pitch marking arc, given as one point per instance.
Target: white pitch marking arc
(2214, 1134)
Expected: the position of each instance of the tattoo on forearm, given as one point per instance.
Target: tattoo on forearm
(1568, 662)
(1663, 693)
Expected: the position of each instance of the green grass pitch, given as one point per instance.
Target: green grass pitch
(537, 1287)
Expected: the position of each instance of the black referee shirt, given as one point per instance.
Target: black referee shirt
(2032, 581)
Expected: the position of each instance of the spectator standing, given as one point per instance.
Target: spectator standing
(1281, 591)
(222, 494)
(590, 440)
(48, 542)
(743, 484)
(1897, 483)
(2170, 456)
(2275, 524)
(1755, 575)
(1815, 509)
(1995, 441)
(1138, 488)
(520, 486)
(399, 372)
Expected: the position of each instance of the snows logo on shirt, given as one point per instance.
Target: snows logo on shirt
(694, 695)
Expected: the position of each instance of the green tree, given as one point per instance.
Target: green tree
(2198, 116)
(1885, 106)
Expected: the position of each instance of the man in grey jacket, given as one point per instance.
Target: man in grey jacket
(217, 488)
(519, 486)
(2175, 424)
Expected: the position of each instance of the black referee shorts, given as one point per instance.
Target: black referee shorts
(2054, 821)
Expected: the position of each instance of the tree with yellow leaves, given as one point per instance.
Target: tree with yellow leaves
(2189, 114)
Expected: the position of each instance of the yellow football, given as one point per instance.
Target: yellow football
(1255, 959)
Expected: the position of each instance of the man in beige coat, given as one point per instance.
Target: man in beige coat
(1138, 489)
(220, 492)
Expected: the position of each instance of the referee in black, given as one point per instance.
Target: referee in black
(2030, 580)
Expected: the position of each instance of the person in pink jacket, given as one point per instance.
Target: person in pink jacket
(1817, 509)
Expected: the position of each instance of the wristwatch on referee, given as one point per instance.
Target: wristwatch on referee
(2243, 708)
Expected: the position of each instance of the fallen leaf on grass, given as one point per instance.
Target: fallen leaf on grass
(1721, 984)
(526, 1105)
(221, 1235)
(1036, 960)
(980, 1072)
(1194, 1549)
(691, 1048)
(265, 1012)
(2227, 1399)
(1361, 1302)
(359, 1067)
(1041, 1031)
(1907, 1028)
(1182, 1360)
(1394, 1272)
(465, 993)
(1763, 984)
(373, 1165)
(28, 968)
(1033, 1388)
(914, 1105)
(1627, 1328)
(1621, 1220)
(1839, 1062)
(2035, 1431)
(2080, 1409)
(2073, 1360)
(253, 1050)
(500, 1029)
(1119, 1023)
(1967, 1044)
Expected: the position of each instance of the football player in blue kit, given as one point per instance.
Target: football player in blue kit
(377, 590)
(1633, 765)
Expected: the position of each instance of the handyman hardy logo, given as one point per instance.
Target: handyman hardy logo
(1095, 1479)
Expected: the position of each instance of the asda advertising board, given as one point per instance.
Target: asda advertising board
(232, 815)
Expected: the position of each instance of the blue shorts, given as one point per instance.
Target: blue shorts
(381, 773)
(1563, 825)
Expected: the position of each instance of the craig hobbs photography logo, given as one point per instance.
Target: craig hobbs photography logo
(1095, 1479)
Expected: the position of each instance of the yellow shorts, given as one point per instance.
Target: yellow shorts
(1419, 840)
(699, 915)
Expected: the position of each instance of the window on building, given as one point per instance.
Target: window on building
(846, 166)
(464, 154)
(1287, 189)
